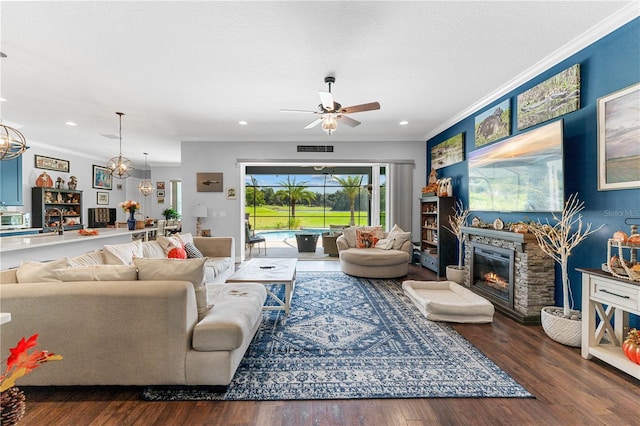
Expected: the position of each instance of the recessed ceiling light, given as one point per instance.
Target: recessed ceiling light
(70, 123)
(242, 123)
(403, 123)
(3, 100)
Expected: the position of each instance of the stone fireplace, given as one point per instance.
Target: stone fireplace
(511, 271)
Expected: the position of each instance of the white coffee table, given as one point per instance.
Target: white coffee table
(269, 271)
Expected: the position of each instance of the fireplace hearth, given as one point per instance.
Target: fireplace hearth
(510, 270)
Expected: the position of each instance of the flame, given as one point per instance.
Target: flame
(494, 280)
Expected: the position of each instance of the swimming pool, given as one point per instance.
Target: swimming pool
(282, 235)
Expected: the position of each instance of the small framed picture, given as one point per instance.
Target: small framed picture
(101, 178)
(160, 200)
(119, 187)
(161, 193)
(48, 163)
(231, 193)
(159, 185)
(103, 198)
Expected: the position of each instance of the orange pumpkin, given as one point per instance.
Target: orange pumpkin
(634, 239)
(631, 346)
(620, 236)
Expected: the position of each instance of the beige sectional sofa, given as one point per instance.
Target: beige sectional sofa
(385, 256)
(157, 321)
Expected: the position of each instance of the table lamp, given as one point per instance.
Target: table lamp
(199, 211)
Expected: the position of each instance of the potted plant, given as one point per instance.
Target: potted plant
(457, 222)
(170, 214)
(563, 324)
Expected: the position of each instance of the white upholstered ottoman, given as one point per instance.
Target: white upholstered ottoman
(448, 301)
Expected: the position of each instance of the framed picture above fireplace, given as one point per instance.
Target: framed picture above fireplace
(521, 174)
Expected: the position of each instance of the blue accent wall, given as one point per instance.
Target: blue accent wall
(610, 64)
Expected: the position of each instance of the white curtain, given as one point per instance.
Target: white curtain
(400, 185)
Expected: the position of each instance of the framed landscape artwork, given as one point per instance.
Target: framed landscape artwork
(448, 152)
(209, 182)
(618, 136)
(552, 98)
(493, 124)
(102, 178)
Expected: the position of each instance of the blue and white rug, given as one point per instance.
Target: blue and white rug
(349, 338)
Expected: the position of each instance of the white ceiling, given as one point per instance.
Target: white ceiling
(186, 71)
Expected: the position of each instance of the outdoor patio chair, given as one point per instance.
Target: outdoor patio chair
(251, 239)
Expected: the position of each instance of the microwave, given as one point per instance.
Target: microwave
(15, 220)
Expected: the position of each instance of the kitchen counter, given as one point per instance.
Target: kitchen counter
(51, 246)
(20, 231)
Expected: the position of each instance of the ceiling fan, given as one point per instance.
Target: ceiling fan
(331, 112)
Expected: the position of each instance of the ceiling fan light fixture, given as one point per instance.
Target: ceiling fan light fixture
(120, 167)
(12, 143)
(145, 187)
(329, 123)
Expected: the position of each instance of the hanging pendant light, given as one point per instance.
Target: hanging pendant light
(12, 143)
(120, 167)
(145, 187)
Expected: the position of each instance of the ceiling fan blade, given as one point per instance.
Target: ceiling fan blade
(327, 100)
(360, 108)
(298, 110)
(348, 121)
(314, 123)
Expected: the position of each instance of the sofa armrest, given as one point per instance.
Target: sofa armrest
(99, 327)
(408, 247)
(342, 243)
(216, 246)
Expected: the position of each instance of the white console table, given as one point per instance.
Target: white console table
(610, 300)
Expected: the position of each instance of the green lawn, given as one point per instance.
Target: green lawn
(276, 217)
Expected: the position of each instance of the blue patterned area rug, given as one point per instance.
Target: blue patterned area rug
(348, 338)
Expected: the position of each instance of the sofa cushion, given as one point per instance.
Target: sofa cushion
(98, 273)
(122, 254)
(374, 257)
(186, 238)
(191, 270)
(384, 244)
(92, 258)
(398, 236)
(168, 243)
(350, 234)
(38, 272)
(152, 250)
(237, 307)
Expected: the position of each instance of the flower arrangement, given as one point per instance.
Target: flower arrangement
(21, 362)
(129, 206)
(457, 222)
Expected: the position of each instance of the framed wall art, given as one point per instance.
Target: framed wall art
(103, 198)
(160, 193)
(493, 124)
(618, 136)
(159, 185)
(209, 182)
(448, 152)
(231, 193)
(48, 163)
(102, 178)
(556, 96)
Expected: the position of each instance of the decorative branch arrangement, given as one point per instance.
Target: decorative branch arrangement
(558, 240)
(457, 222)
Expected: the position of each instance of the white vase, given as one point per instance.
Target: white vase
(456, 275)
(567, 331)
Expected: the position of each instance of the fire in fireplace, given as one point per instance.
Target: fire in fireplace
(492, 272)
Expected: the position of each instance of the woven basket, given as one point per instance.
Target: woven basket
(12, 406)
(139, 224)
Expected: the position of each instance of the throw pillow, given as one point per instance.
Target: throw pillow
(398, 236)
(177, 253)
(192, 270)
(38, 272)
(122, 254)
(152, 250)
(366, 239)
(98, 273)
(167, 243)
(350, 235)
(91, 258)
(192, 251)
(186, 238)
(384, 244)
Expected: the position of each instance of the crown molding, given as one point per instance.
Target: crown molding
(609, 25)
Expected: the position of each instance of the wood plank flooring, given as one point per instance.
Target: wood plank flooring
(568, 389)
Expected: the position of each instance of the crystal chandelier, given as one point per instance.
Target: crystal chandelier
(145, 187)
(120, 167)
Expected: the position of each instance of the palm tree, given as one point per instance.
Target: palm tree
(294, 192)
(351, 185)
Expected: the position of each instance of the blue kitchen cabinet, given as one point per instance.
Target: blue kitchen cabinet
(11, 182)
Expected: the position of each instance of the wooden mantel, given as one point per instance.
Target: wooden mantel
(518, 238)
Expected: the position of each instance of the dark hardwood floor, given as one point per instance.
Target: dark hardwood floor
(568, 390)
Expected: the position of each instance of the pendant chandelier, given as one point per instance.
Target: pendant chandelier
(145, 187)
(12, 143)
(120, 167)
